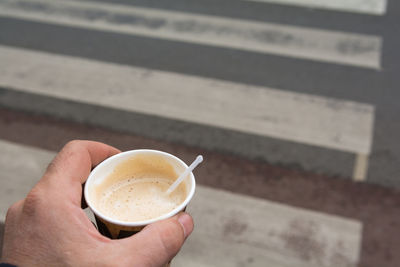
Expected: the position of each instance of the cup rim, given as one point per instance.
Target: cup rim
(128, 153)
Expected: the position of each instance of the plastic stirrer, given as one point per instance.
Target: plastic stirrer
(194, 164)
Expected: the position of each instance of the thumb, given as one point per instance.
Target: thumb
(159, 242)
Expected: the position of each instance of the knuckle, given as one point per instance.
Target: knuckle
(51, 167)
(73, 143)
(69, 149)
(13, 210)
(72, 148)
(32, 202)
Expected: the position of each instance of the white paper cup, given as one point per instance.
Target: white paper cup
(114, 228)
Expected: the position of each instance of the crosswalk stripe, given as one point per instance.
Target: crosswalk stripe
(373, 7)
(267, 232)
(291, 41)
(327, 122)
(231, 229)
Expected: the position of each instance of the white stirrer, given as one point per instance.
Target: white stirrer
(194, 164)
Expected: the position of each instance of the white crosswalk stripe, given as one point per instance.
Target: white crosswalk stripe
(314, 120)
(230, 229)
(290, 41)
(374, 7)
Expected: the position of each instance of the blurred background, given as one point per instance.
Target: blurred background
(294, 105)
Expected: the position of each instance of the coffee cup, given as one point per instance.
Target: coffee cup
(126, 192)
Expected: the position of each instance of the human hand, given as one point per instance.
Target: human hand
(49, 227)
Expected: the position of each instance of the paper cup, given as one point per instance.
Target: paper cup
(114, 228)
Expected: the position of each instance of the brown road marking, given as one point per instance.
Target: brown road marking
(377, 207)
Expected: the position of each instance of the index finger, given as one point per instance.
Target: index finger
(71, 167)
(75, 161)
(67, 172)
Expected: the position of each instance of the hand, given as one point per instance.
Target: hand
(49, 227)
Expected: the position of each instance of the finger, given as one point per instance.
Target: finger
(75, 161)
(158, 243)
(71, 167)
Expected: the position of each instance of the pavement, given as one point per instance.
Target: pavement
(291, 103)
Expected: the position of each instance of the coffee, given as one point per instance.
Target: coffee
(135, 190)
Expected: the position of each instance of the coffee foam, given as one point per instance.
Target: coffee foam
(139, 199)
(135, 191)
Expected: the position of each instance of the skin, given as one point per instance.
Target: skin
(49, 227)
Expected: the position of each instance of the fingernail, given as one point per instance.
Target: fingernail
(187, 223)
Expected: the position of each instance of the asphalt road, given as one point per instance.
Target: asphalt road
(294, 96)
(375, 208)
(377, 87)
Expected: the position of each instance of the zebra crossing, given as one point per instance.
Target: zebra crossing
(306, 119)
(54, 61)
(241, 107)
(321, 45)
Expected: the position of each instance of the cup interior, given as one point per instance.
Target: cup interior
(102, 172)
